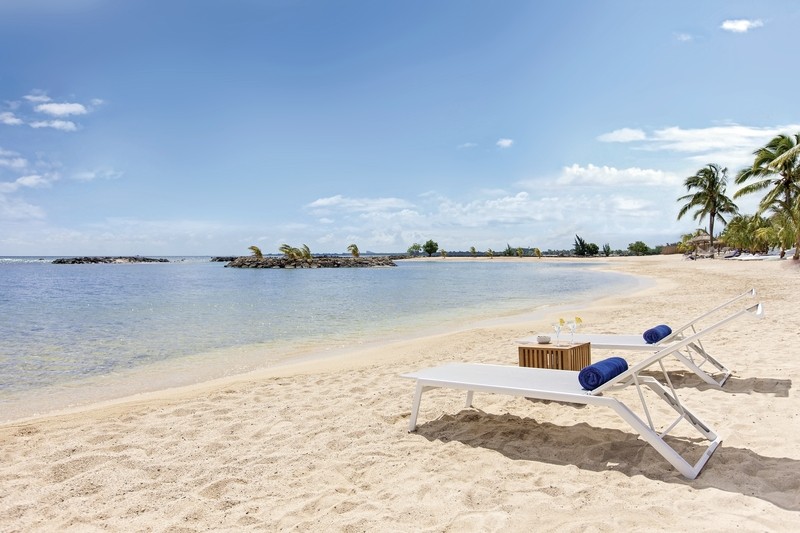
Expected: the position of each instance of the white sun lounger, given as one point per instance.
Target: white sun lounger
(563, 386)
(694, 355)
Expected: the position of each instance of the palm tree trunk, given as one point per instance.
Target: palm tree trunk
(711, 233)
(797, 246)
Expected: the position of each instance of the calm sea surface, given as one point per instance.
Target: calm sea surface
(71, 334)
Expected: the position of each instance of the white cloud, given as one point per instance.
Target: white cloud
(342, 203)
(92, 175)
(610, 176)
(9, 119)
(740, 25)
(37, 97)
(622, 135)
(12, 160)
(61, 110)
(466, 146)
(507, 210)
(632, 205)
(730, 145)
(33, 181)
(683, 37)
(505, 143)
(715, 137)
(13, 209)
(63, 125)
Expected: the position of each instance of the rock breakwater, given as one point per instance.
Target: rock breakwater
(315, 262)
(107, 260)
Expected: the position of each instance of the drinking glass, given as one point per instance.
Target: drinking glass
(557, 329)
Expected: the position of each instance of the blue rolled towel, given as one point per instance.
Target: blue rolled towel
(654, 335)
(600, 372)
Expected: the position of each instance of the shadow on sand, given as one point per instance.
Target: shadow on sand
(737, 470)
(734, 385)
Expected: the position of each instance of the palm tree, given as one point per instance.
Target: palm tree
(781, 231)
(748, 232)
(290, 251)
(788, 154)
(353, 249)
(256, 251)
(776, 170)
(305, 252)
(472, 251)
(709, 184)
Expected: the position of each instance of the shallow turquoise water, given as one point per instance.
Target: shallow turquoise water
(65, 324)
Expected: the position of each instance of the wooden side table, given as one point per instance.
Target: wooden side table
(564, 357)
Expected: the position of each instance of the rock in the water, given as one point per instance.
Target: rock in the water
(251, 261)
(107, 260)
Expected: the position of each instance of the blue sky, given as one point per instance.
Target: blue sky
(203, 127)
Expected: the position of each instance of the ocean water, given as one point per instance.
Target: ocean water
(73, 334)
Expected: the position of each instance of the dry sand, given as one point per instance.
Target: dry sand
(325, 447)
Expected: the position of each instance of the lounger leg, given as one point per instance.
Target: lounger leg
(666, 451)
(687, 415)
(698, 348)
(702, 374)
(469, 398)
(412, 422)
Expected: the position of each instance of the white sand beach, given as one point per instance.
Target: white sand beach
(324, 446)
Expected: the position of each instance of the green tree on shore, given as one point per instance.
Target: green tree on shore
(415, 249)
(709, 185)
(638, 248)
(353, 249)
(776, 171)
(581, 248)
(256, 251)
(430, 247)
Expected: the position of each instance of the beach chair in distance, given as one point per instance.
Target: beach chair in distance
(694, 355)
(563, 386)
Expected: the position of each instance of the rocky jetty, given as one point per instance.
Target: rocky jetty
(252, 261)
(223, 259)
(107, 260)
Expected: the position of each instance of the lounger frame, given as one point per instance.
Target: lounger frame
(694, 355)
(563, 386)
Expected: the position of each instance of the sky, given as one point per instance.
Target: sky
(199, 127)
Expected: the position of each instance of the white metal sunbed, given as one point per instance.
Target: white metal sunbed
(563, 386)
(694, 355)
